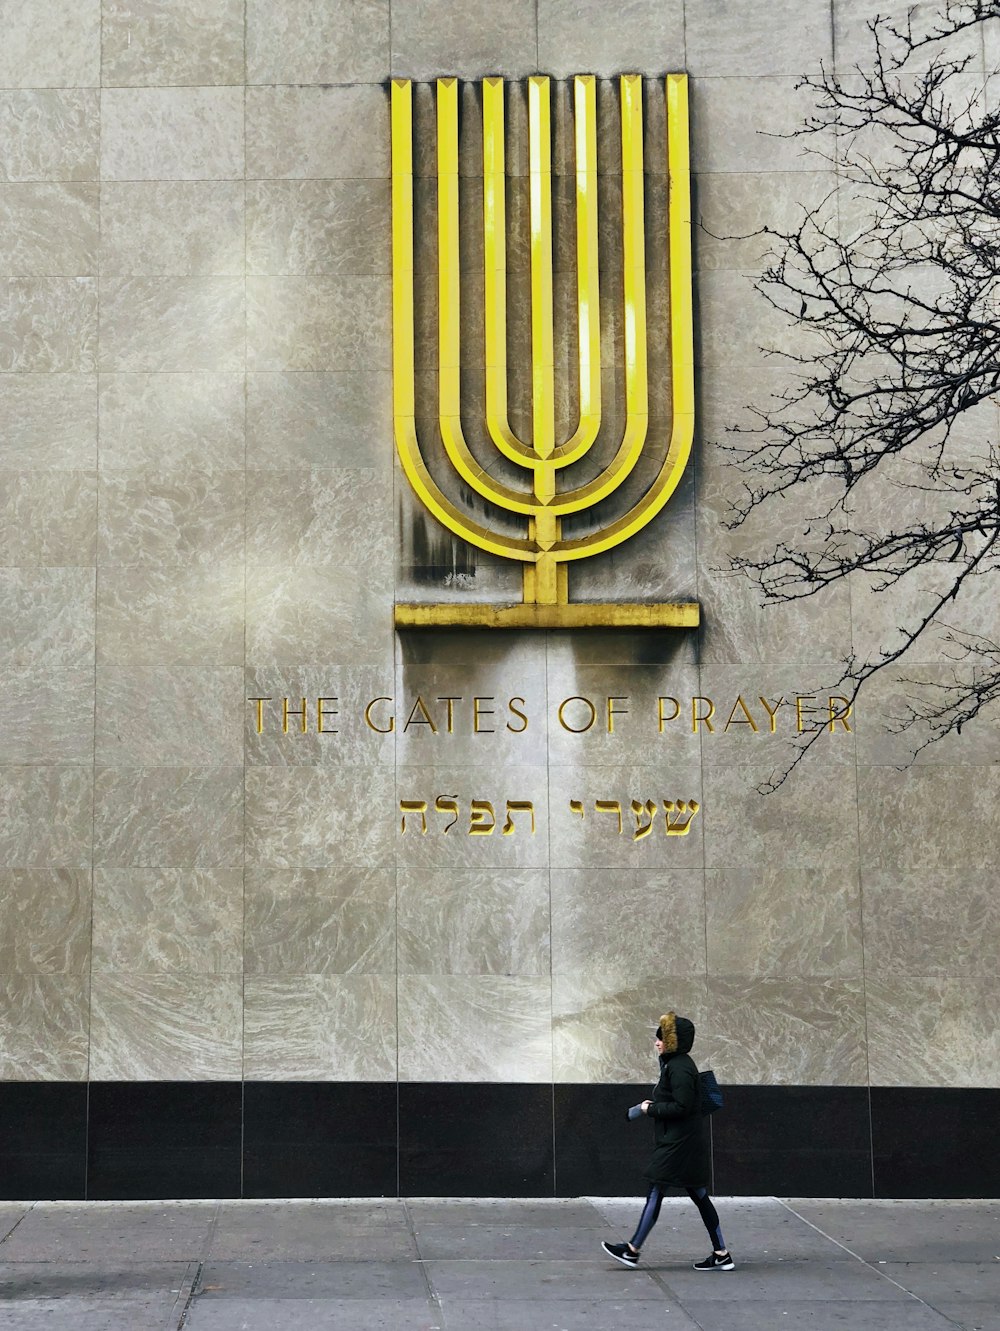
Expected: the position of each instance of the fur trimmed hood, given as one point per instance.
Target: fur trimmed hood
(677, 1033)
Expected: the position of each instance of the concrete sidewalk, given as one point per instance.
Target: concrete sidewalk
(495, 1266)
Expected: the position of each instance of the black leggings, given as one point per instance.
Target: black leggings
(651, 1213)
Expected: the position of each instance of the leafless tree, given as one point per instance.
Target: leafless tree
(894, 282)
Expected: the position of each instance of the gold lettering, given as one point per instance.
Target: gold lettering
(518, 806)
(745, 720)
(379, 730)
(771, 715)
(643, 828)
(260, 712)
(447, 804)
(576, 806)
(478, 712)
(321, 716)
(576, 730)
(423, 720)
(610, 806)
(414, 806)
(706, 719)
(836, 716)
(517, 730)
(686, 810)
(480, 811)
(451, 701)
(800, 698)
(614, 711)
(287, 711)
(662, 720)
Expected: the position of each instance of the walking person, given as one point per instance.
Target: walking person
(680, 1152)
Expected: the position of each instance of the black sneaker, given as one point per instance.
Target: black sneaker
(621, 1252)
(716, 1262)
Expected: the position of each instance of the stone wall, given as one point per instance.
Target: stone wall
(201, 506)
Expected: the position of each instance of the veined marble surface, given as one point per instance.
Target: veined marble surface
(200, 505)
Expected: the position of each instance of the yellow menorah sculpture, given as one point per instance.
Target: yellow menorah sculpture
(543, 550)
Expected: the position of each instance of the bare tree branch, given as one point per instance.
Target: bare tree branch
(894, 281)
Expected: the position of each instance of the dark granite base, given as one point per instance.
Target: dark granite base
(136, 1140)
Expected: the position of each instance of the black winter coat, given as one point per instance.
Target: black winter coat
(680, 1156)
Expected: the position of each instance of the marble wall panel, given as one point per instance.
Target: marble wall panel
(574, 38)
(780, 38)
(497, 713)
(731, 208)
(172, 323)
(48, 614)
(147, 43)
(473, 922)
(315, 818)
(48, 324)
(346, 737)
(168, 817)
(796, 1031)
(786, 691)
(46, 817)
(43, 1026)
(45, 919)
(813, 815)
(48, 519)
(318, 323)
(169, 421)
(620, 926)
(172, 228)
(172, 134)
(624, 700)
(974, 610)
(313, 518)
(337, 41)
(933, 1031)
(430, 39)
(149, 519)
(163, 1026)
(603, 839)
(779, 919)
(452, 844)
(50, 135)
(152, 920)
(897, 810)
(185, 615)
(743, 124)
(48, 229)
(603, 1032)
(885, 705)
(492, 1028)
(331, 921)
(304, 615)
(736, 324)
(739, 629)
(50, 422)
(319, 420)
(991, 47)
(48, 717)
(52, 44)
(320, 1028)
(169, 716)
(855, 44)
(324, 227)
(317, 133)
(931, 923)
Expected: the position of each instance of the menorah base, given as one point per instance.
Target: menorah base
(574, 615)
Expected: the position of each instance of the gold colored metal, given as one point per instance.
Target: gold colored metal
(571, 615)
(544, 552)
